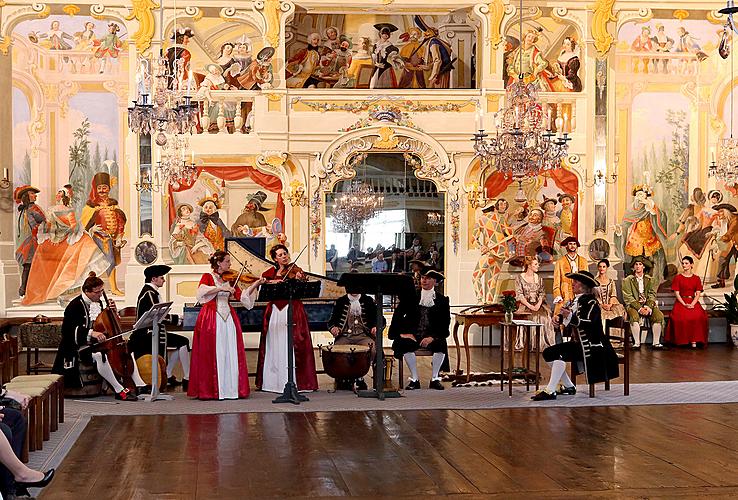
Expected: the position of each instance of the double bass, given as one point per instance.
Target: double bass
(115, 347)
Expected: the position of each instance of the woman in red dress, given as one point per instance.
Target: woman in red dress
(271, 374)
(218, 363)
(688, 320)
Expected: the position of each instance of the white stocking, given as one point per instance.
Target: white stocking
(106, 372)
(136, 376)
(173, 358)
(656, 329)
(635, 330)
(412, 365)
(438, 358)
(558, 370)
(184, 358)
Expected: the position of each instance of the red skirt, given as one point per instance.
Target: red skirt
(687, 325)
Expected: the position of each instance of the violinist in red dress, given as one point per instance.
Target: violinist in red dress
(80, 333)
(218, 363)
(271, 374)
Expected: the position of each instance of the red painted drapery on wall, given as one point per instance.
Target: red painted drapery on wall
(565, 180)
(230, 173)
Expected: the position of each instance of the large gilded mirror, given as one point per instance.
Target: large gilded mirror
(383, 218)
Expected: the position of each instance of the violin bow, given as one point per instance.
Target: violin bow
(293, 263)
(243, 266)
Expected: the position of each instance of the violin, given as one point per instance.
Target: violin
(116, 347)
(292, 271)
(232, 277)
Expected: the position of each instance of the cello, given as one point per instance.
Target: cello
(115, 347)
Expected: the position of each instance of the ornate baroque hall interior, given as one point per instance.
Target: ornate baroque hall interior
(463, 165)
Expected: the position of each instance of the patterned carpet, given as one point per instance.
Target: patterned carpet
(468, 398)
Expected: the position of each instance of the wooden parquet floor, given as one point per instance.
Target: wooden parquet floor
(679, 451)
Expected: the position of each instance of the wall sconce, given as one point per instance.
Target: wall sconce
(296, 195)
(600, 179)
(5, 181)
(435, 219)
(475, 195)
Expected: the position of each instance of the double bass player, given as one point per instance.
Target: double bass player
(79, 335)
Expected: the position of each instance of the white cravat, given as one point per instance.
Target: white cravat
(573, 263)
(355, 304)
(427, 297)
(94, 308)
(640, 284)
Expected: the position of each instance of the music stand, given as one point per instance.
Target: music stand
(378, 284)
(151, 319)
(289, 290)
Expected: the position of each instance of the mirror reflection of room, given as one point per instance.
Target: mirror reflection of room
(385, 219)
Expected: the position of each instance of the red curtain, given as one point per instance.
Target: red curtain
(269, 182)
(563, 178)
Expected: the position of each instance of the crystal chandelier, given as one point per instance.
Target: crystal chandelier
(726, 168)
(171, 169)
(170, 109)
(524, 144)
(355, 206)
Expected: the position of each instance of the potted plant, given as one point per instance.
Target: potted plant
(509, 304)
(730, 306)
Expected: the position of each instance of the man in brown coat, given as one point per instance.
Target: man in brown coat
(730, 215)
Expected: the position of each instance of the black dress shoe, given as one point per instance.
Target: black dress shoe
(719, 284)
(48, 476)
(567, 391)
(173, 382)
(360, 384)
(412, 385)
(543, 396)
(185, 384)
(126, 395)
(144, 390)
(659, 347)
(436, 384)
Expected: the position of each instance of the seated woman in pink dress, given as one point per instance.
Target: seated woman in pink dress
(688, 320)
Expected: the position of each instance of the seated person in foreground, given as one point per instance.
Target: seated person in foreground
(589, 350)
(140, 341)
(354, 322)
(639, 295)
(422, 321)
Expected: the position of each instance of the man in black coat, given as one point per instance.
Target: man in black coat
(422, 321)
(140, 341)
(78, 333)
(589, 349)
(354, 322)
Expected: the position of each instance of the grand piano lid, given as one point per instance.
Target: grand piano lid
(256, 265)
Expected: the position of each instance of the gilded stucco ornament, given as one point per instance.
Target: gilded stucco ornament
(142, 12)
(602, 15)
(494, 12)
(70, 10)
(271, 11)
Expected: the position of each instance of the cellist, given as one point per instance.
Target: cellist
(271, 374)
(78, 332)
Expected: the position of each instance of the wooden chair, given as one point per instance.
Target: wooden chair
(622, 351)
(401, 362)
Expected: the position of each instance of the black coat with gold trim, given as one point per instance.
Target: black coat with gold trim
(600, 360)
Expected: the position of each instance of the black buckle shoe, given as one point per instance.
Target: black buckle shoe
(173, 382)
(436, 384)
(567, 391)
(126, 395)
(360, 384)
(185, 384)
(543, 396)
(412, 385)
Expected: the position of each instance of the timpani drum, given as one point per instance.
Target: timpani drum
(346, 361)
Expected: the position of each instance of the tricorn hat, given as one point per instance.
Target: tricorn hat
(429, 272)
(385, 28)
(21, 190)
(157, 270)
(583, 277)
(568, 240)
(727, 206)
(258, 199)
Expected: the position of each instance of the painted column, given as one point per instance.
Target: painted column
(8, 266)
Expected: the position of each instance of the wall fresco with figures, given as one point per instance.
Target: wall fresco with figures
(67, 145)
(549, 55)
(346, 51)
(278, 86)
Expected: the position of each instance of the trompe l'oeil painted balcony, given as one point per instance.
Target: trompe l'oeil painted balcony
(666, 65)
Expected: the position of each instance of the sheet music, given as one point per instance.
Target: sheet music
(525, 322)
